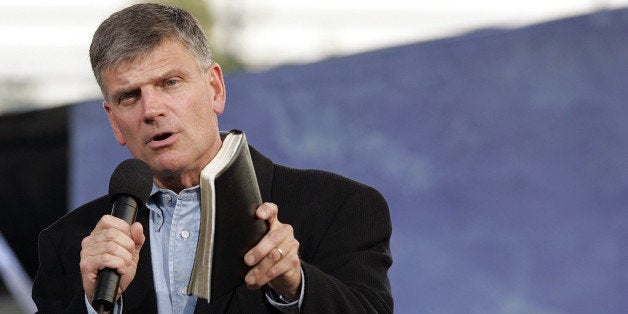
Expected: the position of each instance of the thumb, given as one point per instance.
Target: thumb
(137, 234)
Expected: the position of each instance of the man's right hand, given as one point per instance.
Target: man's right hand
(112, 244)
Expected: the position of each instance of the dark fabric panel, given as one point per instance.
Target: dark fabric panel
(33, 180)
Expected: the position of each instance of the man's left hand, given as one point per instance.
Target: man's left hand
(275, 259)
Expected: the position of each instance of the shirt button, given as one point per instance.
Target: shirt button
(167, 197)
(185, 234)
(184, 291)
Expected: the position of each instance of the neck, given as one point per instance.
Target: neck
(177, 181)
(177, 184)
(183, 178)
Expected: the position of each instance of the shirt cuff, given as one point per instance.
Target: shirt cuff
(281, 303)
(117, 308)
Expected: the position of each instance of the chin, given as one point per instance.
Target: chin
(166, 163)
(168, 167)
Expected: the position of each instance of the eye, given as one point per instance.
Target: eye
(171, 82)
(128, 98)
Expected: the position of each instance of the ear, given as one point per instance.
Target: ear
(114, 125)
(217, 84)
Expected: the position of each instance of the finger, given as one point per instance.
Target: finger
(113, 262)
(290, 257)
(137, 234)
(110, 248)
(270, 241)
(256, 277)
(268, 211)
(109, 221)
(288, 249)
(95, 263)
(285, 268)
(277, 263)
(114, 236)
(276, 254)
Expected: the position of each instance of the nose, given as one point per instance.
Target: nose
(152, 104)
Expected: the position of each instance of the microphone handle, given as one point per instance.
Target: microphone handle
(125, 208)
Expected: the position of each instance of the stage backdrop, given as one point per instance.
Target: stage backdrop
(503, 155)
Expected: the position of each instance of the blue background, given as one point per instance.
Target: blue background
(503, 155)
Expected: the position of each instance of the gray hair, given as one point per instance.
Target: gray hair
(135, 31)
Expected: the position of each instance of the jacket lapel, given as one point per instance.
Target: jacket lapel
(264, 169)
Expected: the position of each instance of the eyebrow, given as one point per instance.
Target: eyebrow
(123, 90)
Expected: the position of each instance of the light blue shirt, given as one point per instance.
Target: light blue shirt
(174, 228)
(174, 224)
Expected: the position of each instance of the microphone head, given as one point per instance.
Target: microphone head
(132, 177)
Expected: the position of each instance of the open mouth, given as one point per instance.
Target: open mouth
(162, 136)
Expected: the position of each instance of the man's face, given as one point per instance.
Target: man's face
(164, 108)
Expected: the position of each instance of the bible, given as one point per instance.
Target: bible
(229, 227)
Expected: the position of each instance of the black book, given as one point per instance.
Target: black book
(229, 227)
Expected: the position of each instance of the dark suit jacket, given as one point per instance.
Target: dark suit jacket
(343, 228)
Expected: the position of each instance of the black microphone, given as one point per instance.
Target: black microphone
(129, 187)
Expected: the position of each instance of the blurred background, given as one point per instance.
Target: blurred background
(495, 129)
(44, 44)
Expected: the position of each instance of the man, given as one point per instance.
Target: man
(327, 249)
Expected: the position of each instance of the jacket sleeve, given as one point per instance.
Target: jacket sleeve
(352, 259)
(56, 288)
